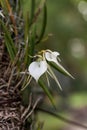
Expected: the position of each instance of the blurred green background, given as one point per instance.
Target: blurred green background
(67, 34)
(67, 29)
(67, 23)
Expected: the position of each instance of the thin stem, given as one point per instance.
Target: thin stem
(62, 118)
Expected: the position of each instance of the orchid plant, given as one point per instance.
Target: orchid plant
(19, 35)
(21, 39)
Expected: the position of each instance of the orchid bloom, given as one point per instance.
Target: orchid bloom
(38, 68)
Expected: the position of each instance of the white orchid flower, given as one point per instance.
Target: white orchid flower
(37, 69)
(52, 56)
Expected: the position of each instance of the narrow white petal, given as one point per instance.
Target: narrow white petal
(54, 77)
(48, 82)
(2, 14)
(37, 69)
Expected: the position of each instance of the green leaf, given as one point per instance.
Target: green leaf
(43, 24)
(3, 5)
(32, 40)
(39, 9)
(26, 35)
(8, 42)
(40, 82)
(60, 117)
(9, 48)
(61, 69)
(30, 46)
(32, 10)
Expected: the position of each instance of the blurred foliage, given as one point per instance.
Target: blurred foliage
(67, 30)
(67, 21)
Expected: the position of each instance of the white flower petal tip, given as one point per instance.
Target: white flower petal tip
(55, 53)
(1, 14)
(52, 56)
(64, 71)
(37, 69)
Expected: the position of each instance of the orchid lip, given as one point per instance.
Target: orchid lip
(37, 69)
